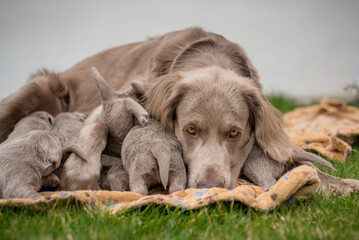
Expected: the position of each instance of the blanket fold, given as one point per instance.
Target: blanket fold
(328, 128)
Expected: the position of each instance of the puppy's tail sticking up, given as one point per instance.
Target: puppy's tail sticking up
(302, 155)
(105, 90)
(163, 155)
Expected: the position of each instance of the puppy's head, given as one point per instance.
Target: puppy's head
(67, 125)
(213, 112)
(39, 120)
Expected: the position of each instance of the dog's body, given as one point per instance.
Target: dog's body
(152, 155)
(200, 85)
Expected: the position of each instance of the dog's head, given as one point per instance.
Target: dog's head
(214, 112)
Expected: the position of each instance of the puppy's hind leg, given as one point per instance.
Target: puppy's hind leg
(118, 178)
(137, 182)
(177, 174)
(136, 109)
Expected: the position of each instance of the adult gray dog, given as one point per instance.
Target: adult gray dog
(199, 85)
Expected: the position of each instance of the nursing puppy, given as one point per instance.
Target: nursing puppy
(200, 86)
(39, 120)
(152, 155)
(67, 125)
(25, 160)
(81, 170)
(265, 172)
(118, 112)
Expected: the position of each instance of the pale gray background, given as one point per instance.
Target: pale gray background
(304, 49)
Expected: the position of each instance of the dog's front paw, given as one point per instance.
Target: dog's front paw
(342, 187)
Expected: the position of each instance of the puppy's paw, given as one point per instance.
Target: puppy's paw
(175, 188)
(139, 189)
(144, 118)
(80, 116)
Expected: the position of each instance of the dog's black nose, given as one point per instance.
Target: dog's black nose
(209, 184)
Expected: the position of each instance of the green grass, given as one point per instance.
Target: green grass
(318, 218)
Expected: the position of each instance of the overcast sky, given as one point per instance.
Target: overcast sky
(300, 48)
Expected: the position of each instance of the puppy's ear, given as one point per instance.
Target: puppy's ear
(163, 98)
(267, 123)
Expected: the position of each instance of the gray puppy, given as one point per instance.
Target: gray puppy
(25, 160)
(152, 155)
(118, 112)
(81, 170)
(67, 125)
(39, 120)
(265, 172)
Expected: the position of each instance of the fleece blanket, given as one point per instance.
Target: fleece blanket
(299, 183)
(327, 128)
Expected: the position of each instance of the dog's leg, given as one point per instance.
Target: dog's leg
(331, 185)
(20, 191)
(260, 169)
(337, 186)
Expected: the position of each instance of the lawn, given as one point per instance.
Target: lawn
(317, 218)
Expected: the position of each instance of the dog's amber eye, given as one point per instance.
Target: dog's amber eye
(191, 131)
(233, 133)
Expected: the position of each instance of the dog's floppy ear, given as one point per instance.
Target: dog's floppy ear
(171, 58)
(163, 98)
(267, 123)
